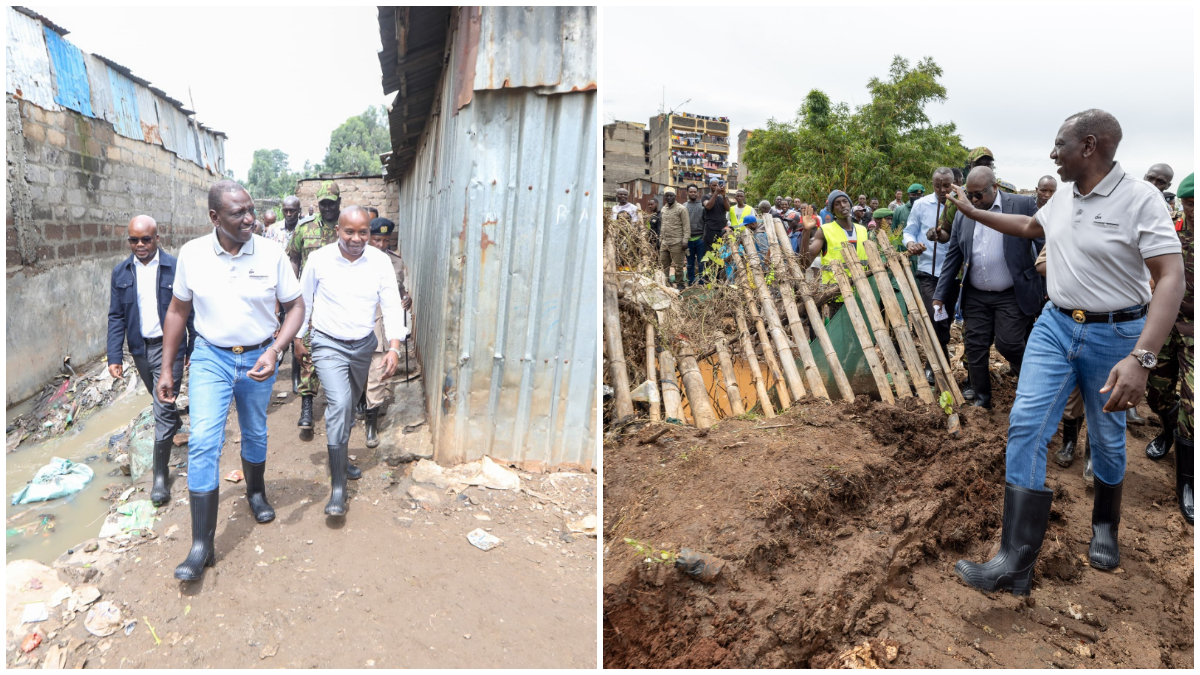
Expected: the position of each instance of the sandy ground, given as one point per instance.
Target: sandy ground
(840, 524)
(393, 585)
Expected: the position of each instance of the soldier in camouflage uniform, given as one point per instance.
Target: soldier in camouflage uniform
(308, 237)
(1176, 363)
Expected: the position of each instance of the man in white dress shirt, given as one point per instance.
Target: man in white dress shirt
(233, 279)
(343, 283)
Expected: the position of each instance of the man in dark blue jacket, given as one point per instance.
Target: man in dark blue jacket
(141, 293)
(1001, 288)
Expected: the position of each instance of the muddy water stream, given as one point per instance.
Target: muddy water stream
(75, 518)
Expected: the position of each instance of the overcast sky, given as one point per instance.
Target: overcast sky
(262, 75)
(1011, 74)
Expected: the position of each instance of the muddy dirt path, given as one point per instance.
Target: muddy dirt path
(843, 527)
(393, 585)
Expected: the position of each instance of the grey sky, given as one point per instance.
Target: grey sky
(1011, 75)
(260, 75)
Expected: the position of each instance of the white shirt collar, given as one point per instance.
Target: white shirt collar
(247, 248)
(153, 260)
(1106, 185)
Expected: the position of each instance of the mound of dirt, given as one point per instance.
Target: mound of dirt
(840, 525)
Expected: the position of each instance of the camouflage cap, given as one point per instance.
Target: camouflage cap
(976, 153)
(328, 190)
(1006, 186)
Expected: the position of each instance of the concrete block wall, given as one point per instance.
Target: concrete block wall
(72, 186)
(361, 191)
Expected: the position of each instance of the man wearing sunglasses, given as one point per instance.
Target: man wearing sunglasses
(1001, 289)
(140, 294)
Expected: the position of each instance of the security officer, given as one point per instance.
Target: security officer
(310, 236)
(377, 390)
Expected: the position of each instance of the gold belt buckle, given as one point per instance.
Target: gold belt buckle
(1078, 315)
(239, 350)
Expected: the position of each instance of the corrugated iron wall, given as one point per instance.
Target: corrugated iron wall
(45, 69)
(498, 228)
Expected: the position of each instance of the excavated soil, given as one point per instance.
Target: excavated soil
(840, 524)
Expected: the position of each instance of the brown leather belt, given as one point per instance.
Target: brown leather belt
(1081, 316)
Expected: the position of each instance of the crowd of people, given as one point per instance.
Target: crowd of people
(225, 311)
(1083, 291)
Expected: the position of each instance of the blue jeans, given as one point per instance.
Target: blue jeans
(1060, 355)
(695, 252)
(216, 376)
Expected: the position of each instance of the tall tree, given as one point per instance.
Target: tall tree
(269, 174)
(875, 149)
(355, 146)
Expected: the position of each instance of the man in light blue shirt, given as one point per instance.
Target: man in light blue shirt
(925, 214)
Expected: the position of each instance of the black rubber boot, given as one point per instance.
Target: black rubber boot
(338, 459)
(204, 530)
(372, 430)
(1161, 445)
(1106, 518)
(295, 373)
(1026, 513)
(981, 382)
(929, 375)
(306, 414)
(160, 492)
(968, 392)
(256, 491)
(1132, 417)
(1184, 468)
(1089, 478)
(360, 409)
(1070, 435)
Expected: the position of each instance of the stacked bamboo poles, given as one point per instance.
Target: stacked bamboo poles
(775, 327)
(612, 333)
(672, 400)
(814, 314)
(760, 386)
(864, 335)
(743, 281)
(731, 386)
(693, 386)
(903, 271)
(908, 348)
(787, 296)
(875, 317)
(651, 375)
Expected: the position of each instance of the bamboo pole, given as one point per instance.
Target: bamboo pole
(693, 385)
(652, 376)
(731, 385)
(908, 349)
(926, 339)
(612, 334)
(672, 399)
(883, 337)
(774, 325)
(760, 387)
(953, 423)
(928, 321)
(746, 283)
(815, 319)
(787, 295)
(864, 335)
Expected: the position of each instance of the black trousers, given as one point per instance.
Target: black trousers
(992, 317)
(928, 285)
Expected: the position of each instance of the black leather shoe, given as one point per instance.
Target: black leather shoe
(204, 529)
(1026, 513)
(1184, 485)
(306, 413)
(160, 492)
(1106, 518)
(1161, 444)
(1070, 434)
(338, 458)
(256, 491)
(372, 427)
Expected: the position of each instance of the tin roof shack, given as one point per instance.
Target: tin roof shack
(494, 148)
(89, 145)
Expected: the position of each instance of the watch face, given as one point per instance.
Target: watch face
(1148, 360)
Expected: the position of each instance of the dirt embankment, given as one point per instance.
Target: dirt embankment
(841, 523)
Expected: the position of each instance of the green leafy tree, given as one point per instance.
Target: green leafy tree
(355, 146)
(875, 149)
(269, 174)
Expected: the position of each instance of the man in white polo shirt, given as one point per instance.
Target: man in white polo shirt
(343, 283)
(232, 278)
(1105, 240)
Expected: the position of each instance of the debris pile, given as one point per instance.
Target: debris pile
(69, 398)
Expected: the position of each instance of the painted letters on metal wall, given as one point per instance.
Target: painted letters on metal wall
(70, 75)
(27, 65)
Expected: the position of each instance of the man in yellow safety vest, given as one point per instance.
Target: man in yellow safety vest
(739, 211)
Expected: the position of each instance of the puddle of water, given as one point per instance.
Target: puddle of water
(78, 517)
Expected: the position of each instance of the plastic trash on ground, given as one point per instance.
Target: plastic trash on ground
(482, 540)
(59, 478)
(482, 472)
(103, 619)
(130, 517)
(646, 392)
(34, 612)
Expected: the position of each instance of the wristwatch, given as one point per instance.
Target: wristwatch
(1145, 357)
(395, 351)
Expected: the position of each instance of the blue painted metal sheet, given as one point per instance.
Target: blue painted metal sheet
(71, 88)
(101, 90)
(26, 63)
(125, 106)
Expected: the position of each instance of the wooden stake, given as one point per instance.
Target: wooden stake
(731, 385)
(815, 319)
(651, 375)
(612, 334)
(745, 283)
(915, 288)
(672, 399)
(787, 295)
(883, 338)
(917, 323)
(795, 382)
(693, 384)
(908, 349)
(864, 335)
(760, 387)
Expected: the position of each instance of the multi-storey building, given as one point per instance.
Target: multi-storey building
(686, 148)
(626, 155)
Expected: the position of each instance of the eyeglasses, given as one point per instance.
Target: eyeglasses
(977, 195)
(145, 240)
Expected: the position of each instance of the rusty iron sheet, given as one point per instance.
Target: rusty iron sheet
(125, 105)
(71, 88)
(27, 63)
(148, 114)
(551, 48)
(100, 89)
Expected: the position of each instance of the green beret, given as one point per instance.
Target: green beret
(916, 187)
(1188, 187)
(882, 213)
